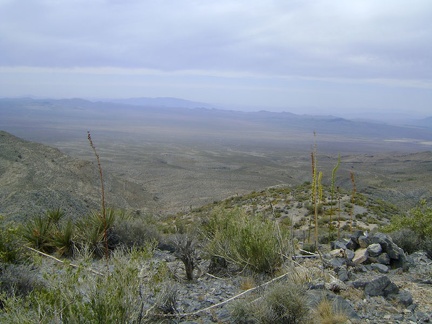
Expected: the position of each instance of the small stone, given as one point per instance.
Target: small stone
(380, 267)
(374, 250)
(352, 245)
(383, 258)
(349, 254)
(343, 275)
(339, 244)
(398, 317)
(356, 235)
(359, 284)
(363, 242)
(337, 253)
(405, 298)
(361, 255)
(381, 286)
(337, 263)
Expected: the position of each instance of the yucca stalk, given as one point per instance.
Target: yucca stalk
(103, 216)
(332, 191)
(353, 193)
(315, 190)
(318, 200)
(339, 212)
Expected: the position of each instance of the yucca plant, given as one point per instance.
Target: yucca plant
(63, 239)
(38, 233)
(91, 232)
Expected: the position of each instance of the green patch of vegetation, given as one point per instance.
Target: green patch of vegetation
(284, 302)
(246, 240)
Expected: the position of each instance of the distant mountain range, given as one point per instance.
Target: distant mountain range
(160, 102)
(174, 119)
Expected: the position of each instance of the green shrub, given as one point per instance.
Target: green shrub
(19, 279)
(134, 231)
(10, 243)
(407, 240)
(246, 240)
(284, 302)
(76, 295)
(419, 220)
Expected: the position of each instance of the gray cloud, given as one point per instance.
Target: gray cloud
(320, 40)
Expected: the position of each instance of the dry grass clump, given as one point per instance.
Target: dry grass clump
(283, 302)
(326, 313)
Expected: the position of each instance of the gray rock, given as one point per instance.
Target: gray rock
(356, 236)
(381, 286)
(380, 267)
(337, 263)
(363, 242)
(351, 245)
(349, 254)
(359, 284)
(343, 275)
(381, 239)
(374, 249)
(360, 256)
(339, 244)
(405, 298)
(383, 258)
(395, 253)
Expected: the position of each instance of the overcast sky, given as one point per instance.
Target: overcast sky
(322, 56)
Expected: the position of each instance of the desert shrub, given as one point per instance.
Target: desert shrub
(19, 279)
(10, 243)
(284, 302)
(76, 295)
(407, 240)
(245, 240)
(185, 245)
(135, 231)
(309, 247)
(426, 245)
(418, 220)
(325, 312)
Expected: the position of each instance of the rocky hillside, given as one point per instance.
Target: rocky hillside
(35, 177)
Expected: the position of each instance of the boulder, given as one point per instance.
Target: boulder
(381, 286)
(380, 267)
(337, 263)
(339, 244)
(374, 250)
(383, 258)
(360, 256)
(363, 242)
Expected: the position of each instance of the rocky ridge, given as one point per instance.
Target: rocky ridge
(370, 284)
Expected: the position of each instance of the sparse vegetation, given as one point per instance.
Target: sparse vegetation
(284, 302)
(413, 230)
(249, 236)
(247, 241)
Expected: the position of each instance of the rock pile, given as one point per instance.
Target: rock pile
(368, 262)
(378, 250)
